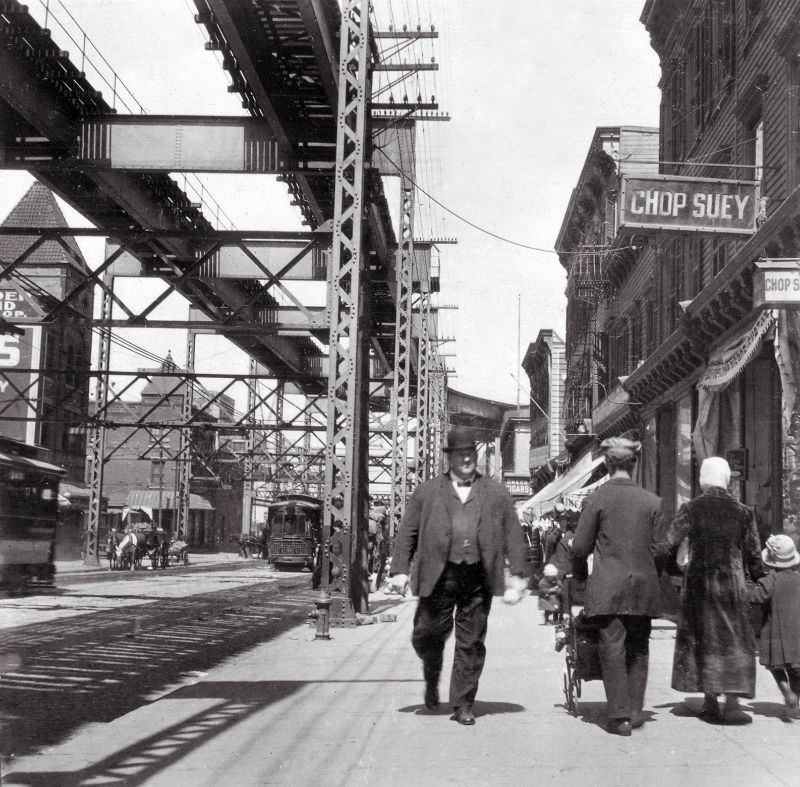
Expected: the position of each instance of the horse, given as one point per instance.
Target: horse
(127, 551)
(114, 538)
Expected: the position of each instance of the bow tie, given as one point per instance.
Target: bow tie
(463, 483)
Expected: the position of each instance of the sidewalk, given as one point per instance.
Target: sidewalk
(299, 711)
(68, 568)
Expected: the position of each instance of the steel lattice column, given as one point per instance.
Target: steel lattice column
(183, 496)
(280, 390)
(247, 500)
(345, 454)
(402, 360)
(423, 380)
(97, 436)
(439, 419)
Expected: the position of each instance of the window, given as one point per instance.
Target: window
(752, 12)
(793, 95)
(636, 323)
(677, 114)
(713, 59)
(651, 311)
(719, 256)
(156, 474)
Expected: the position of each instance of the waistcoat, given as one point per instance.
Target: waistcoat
(464, 541)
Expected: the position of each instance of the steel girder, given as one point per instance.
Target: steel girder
(345, 465)
(185, 444)
(423, 383)
(97, 435)
(401, 389)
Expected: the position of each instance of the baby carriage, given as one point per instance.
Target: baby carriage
(578, 638)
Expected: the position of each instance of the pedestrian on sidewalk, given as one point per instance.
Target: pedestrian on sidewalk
(550, 590)
(460, 527)
(618, 526)
(714, 643)
(779, 594)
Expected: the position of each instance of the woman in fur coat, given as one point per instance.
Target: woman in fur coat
(715, 644)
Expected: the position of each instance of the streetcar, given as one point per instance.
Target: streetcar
(28, 516)
(294, 527)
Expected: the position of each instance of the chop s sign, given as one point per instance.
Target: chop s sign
(701, 205)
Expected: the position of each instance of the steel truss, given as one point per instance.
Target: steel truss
(401, 389)
(346, 448)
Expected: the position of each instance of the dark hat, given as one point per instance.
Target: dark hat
(620, 448)
(460, 437)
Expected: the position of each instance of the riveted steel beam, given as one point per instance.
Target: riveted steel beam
(346, 454)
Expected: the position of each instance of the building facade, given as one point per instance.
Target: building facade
(545, 364)
(141, 473)
(686, 346)
(514, 450)
(44, 391)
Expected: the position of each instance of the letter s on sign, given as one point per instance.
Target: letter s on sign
(9, 351)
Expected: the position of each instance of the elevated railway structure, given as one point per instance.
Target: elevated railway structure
(303, 70)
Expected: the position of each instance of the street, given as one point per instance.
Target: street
(231, 687)
(95, 650)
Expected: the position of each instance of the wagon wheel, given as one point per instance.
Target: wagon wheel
(569, 691)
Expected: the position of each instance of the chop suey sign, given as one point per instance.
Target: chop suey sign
(700, 205)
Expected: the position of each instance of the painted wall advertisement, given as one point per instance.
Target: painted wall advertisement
(19, 386)
(667, 203)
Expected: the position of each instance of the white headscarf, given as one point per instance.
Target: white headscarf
(715, 471)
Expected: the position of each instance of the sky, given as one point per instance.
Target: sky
(525, 82)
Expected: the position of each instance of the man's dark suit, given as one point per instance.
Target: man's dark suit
(442, 585)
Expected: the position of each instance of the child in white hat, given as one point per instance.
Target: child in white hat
(550, 594)
(779, 593)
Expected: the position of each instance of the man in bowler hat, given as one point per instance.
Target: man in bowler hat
(460, 527)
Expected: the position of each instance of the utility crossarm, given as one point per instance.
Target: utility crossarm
(406, 67)
(403, 106)
(402, 34)
(386, 115)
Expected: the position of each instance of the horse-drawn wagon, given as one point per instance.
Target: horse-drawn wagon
(131, 549)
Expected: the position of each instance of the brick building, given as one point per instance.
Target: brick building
(544, 365)
(688, 351)
(46, 402)
(141, 474)
(514, 448)
(610, 290)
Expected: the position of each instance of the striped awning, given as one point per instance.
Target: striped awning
(151, 498)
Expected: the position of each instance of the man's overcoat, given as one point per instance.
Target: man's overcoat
(619, 525)
(426, 531)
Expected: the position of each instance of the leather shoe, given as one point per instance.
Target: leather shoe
(619, 727)
(464, 715)
(431, 696)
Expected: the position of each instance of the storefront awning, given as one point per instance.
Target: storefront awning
(152, 500)
(73, 496)
(729, 360)
(576, 497)
(545, 499)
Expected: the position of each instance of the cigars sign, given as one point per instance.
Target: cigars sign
(662, 203)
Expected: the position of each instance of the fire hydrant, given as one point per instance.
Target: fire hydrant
(323, 604)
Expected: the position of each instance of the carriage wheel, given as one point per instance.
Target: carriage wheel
(569, 691)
